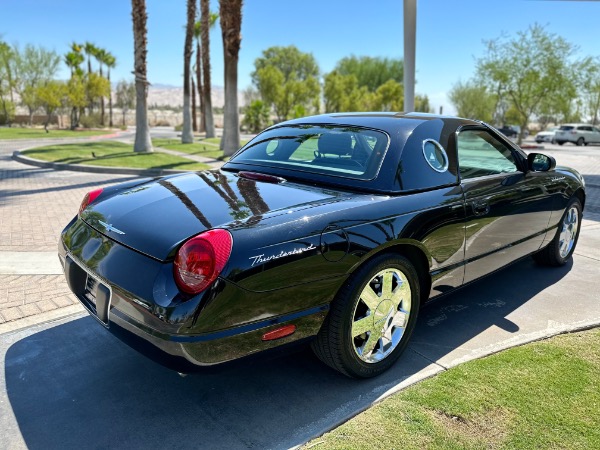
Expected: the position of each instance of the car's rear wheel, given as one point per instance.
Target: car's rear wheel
(561, 248)
(371, 319)
(560, 142)
(580, 142)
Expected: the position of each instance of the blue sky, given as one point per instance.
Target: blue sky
(449, 33)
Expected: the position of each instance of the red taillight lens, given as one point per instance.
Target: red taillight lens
(89, 198)
(201, 259)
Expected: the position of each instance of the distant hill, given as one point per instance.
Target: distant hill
(168, 95)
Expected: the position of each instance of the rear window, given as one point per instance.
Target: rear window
(344, 151)
(566, 128)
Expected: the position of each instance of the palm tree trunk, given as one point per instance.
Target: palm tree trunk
(231, 23)
(206, 88)
(187, 137)
(199, 86)
(194, 121)
(110, 111)
(142, 132)
(101, 102)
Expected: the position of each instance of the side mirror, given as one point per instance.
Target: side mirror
(538, 162)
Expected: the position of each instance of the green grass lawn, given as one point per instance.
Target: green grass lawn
(541, 395)
(111, 154)
(39, 133)
(197, 148)
(208, 148)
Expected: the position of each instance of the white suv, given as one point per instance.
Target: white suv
(577, 133)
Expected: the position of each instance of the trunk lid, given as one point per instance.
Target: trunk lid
(156, 217)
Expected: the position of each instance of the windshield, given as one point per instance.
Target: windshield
(344, 151)
(566, 128)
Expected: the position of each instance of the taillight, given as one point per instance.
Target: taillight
(201, 259)
(89, 198)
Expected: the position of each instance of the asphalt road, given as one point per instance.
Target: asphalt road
(69, 384)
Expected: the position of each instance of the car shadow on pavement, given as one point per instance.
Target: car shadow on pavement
(74, 385)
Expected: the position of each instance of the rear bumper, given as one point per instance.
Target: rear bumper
(144, 310)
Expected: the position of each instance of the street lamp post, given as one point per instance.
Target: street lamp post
(410, 31)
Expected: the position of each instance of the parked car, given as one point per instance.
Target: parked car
(547, 136)
(331, 229)
(508, 131)
(578, 134)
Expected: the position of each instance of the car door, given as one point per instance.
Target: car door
(595, 135)
(507, 207)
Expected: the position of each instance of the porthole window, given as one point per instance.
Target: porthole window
(435, 155)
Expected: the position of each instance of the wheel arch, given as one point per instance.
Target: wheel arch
(415, 253)
(580, 195)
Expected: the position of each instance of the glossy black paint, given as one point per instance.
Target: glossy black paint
(295, 243)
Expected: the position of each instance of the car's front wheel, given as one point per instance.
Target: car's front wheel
(371, 318)
(561, 248)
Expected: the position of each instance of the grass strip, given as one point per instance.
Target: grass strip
(111, 154)
(540, 395)
(39, 133)
(209, 148)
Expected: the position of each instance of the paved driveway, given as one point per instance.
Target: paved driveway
(69, 384)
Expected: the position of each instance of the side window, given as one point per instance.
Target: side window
(481, 154)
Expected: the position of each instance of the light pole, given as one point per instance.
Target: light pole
(410, 32)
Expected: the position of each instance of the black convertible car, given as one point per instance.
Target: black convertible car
(332, 229)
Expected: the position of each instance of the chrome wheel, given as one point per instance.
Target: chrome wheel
(381, 315)
(568, 233)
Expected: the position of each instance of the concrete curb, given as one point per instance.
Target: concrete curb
(17, 156)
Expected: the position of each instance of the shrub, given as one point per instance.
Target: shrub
(90, 121)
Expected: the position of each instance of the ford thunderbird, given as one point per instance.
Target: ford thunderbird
(331, 230)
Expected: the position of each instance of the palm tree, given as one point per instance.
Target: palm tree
(90, 50)
(110, 61)
(231, 24)
(207, 21)
(100, 55)
(140, 41)
(187, 136)
(198, 86)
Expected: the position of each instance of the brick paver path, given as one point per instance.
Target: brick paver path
(35, 205)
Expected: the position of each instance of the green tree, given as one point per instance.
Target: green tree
(231, 25)
(256, 116)
(389, 97)
(7, 82)
(422, 104)
(590, 87)
(51, 97)
(473, 100)
(125, 96)
(140, 42)
(96, 87)
(287, 79)
(76, 97)
(527, 69)
(35, 66)
(342, 93)
(371, 72)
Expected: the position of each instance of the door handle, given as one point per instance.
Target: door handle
(480, 208)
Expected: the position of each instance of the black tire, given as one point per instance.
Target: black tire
(558, 252)
(560, 142)
(580, 142)
(335, 345)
